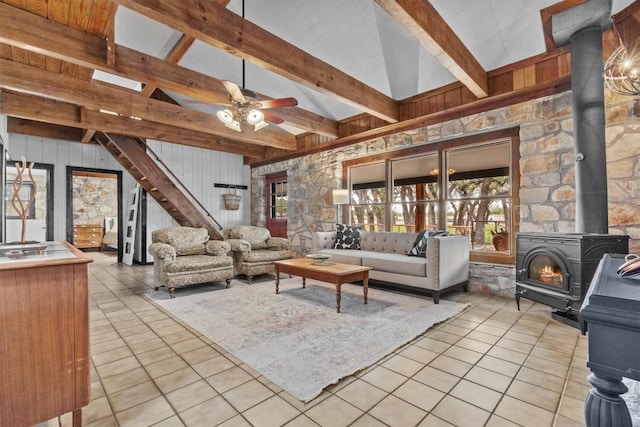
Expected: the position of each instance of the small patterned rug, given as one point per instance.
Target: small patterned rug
(296, 339)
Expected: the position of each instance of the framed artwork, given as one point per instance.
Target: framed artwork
(25, 195)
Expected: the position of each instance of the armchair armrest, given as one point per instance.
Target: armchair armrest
(162, 251)
(278, 243)
(217, 247)
(239, 245)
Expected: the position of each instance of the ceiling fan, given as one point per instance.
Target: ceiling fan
(244, 106)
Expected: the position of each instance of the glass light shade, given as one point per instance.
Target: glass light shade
(340, 196)
(255, 116)
(225, 116)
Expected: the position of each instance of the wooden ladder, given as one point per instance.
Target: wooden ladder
(132, 155)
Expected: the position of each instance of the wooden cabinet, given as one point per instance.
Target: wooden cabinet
(44, 338)
(88, 236)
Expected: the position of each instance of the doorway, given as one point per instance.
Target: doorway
(94, 206)
(277, 206)
(39, 214)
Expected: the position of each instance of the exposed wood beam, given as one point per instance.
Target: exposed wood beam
(26, 79)
(46, 130)
(422, 20)
(87, 135)
(176, 54)
(64, 114)
(221, 28)
(27, 31)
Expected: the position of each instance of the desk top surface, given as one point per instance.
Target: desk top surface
(609, 290)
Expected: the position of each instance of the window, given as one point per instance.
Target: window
(462, 186)
(278, 199)
(368, 197)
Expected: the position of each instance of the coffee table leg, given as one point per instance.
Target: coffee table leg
(304, 282)
(365, 287)
(338, 286)
(277, 279)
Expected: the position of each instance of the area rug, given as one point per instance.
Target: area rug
(632, 399)
(295, 338)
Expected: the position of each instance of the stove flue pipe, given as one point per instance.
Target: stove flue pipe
(581, 27)
(587, 84)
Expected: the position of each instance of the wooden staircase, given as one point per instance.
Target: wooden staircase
(131, 154)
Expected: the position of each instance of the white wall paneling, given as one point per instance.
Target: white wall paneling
(199, 169)
(62, 154)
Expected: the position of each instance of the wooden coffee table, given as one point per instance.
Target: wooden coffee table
(330, 272)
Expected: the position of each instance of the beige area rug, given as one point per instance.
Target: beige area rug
(296, 339)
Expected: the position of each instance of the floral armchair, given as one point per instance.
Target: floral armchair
(254, 250)
(185, 256)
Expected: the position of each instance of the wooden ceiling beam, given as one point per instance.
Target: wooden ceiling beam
(214, 24)
(27, 31)
(69, 115)
(26, 79)
(422, 20)
(45, 130)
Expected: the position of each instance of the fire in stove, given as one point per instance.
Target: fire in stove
(544, 269)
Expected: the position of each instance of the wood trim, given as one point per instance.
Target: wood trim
(521, 95)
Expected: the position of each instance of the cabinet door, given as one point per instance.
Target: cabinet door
(36, 344)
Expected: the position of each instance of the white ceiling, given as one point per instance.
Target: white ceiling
(357, 37)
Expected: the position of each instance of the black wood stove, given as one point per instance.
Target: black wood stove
(556, 269)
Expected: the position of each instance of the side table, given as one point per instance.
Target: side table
(612, 310)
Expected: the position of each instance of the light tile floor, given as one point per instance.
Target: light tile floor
(489, 366)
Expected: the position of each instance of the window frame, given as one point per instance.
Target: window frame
(510, 134)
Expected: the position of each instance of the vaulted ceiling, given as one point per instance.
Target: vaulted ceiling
(358, 68)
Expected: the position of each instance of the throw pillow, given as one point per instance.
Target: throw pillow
(420, 245)
(347, 237)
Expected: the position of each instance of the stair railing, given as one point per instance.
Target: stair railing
(177, 180)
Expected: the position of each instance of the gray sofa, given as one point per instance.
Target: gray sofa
(445, 266)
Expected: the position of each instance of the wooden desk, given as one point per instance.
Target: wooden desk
(44, 336)
(612, 311)
(331, 272)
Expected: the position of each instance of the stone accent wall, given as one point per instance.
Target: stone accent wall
(547, 193)
(93, 199)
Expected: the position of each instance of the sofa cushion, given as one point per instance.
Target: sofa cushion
(395, 263)
(347, 237)
(419, 248)
(344, 256)
(256, 236)
(196, 263)
(388, 242)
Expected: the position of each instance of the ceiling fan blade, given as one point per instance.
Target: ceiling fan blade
(271, 118)
(197, 101)
(235, 91)
(277, 103)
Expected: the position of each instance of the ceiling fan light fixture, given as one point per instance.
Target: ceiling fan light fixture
(225, 116)
(255, 117)
(235, 125)
(261, 125)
